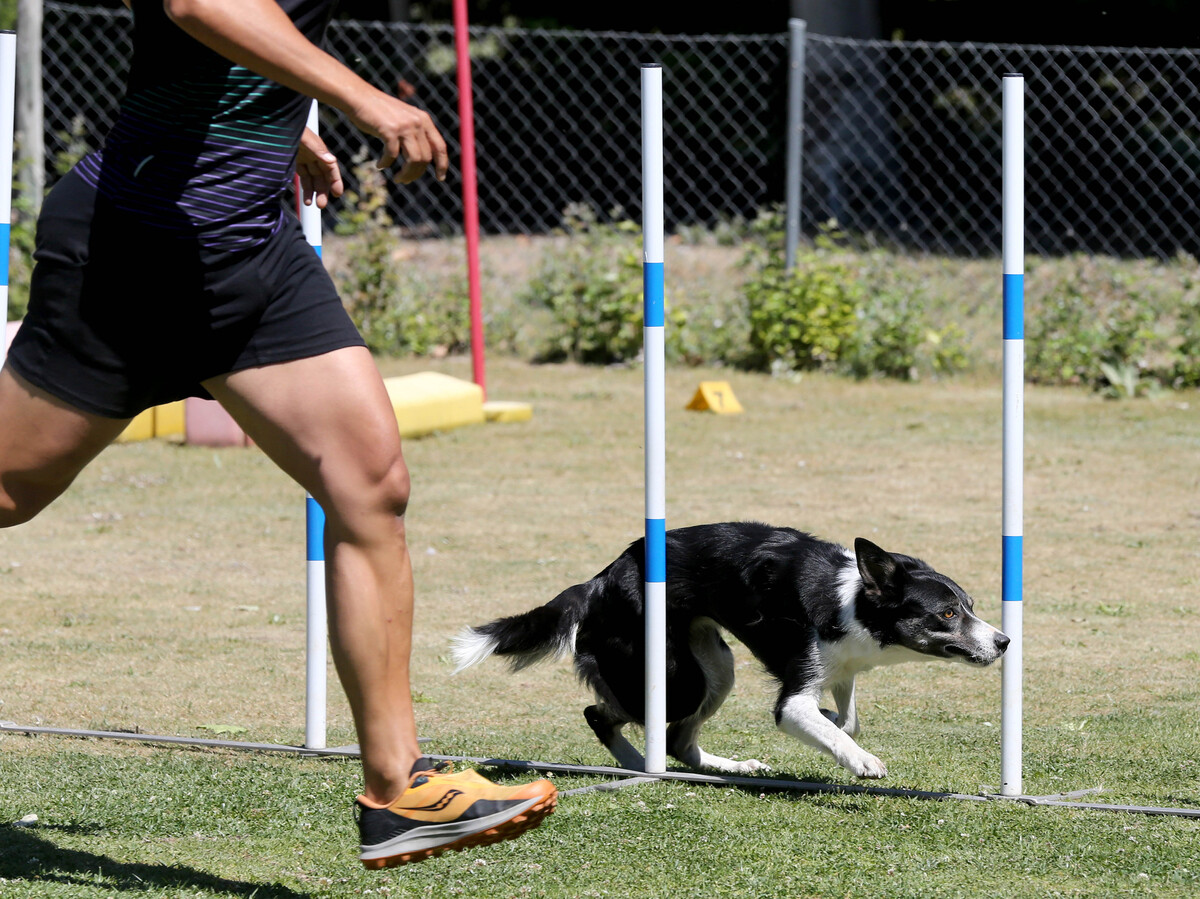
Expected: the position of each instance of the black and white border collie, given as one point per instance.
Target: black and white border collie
(812, 612)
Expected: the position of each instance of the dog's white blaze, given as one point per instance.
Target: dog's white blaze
(857, 650)
(849, 580)
(470, 647)
(983, 636)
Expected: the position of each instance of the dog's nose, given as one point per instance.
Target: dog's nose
(1002, 642)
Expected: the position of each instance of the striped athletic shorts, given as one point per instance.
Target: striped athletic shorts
(123, 316)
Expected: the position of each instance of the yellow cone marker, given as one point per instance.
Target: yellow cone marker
(715, 396)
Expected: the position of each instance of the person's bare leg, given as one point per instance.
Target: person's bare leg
(44, 444)
(328, 423)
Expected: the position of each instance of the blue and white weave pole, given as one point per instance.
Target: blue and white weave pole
(1013, 250)
(317, 625)
(656, 438)
(8, 94)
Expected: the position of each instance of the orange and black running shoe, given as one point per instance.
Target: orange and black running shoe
(441, 811)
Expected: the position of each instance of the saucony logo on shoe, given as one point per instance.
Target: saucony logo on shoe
(448, 797)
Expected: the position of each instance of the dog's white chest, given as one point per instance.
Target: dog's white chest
(857, 651)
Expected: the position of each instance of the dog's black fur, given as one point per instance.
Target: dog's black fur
(812, 612)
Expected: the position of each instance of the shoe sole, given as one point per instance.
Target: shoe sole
(527, 819)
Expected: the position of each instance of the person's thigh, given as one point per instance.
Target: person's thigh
(327, 422)
(44, 443)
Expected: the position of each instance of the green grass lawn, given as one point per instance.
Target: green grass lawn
(164, 592)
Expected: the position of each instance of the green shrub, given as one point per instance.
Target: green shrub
(803, 319)
(1185, 368)
(592, 290)
(20, 257)
(398, 309)
(897, 341)
(841, 312)
(707, 333)
(75, 142)
(1094, 332)
(1064, 340)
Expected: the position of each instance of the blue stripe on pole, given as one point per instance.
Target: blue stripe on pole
(4, 238)
(1014, 307)
(317, 248)
(1011, 569)
(652, 277)
(656, 550)
(314, 528)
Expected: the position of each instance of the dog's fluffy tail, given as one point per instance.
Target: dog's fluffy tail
(526, 638)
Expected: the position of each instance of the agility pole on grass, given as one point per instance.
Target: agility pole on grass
(655, 604)
(316, 625)
(1013, 252)
(8, 93)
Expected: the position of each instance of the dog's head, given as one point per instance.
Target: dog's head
(907, 603)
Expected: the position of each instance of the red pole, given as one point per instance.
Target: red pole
(466, 117)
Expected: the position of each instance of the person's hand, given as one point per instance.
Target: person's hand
(408, 136)
(320, 176)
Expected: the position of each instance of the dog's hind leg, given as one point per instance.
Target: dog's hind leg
(716, 662)
(606, 723)
(682, 743)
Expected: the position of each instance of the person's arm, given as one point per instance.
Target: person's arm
(259, 35)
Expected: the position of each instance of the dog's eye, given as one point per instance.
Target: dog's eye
(948, 614)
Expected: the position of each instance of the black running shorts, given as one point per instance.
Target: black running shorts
(123, 317)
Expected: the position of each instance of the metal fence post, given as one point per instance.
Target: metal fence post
(30, 124)
(798, 34)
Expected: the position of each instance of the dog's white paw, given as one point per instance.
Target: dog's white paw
(866, 765)
(750, 766)
(729, 766)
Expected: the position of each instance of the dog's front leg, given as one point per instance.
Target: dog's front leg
(799, 715)
(843, 695)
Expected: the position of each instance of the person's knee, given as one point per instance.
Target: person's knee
(375, 495)
(395, 487)
(21, 501)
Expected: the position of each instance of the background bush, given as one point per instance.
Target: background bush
(1096, 329)
(837, 310)
(1185, 365)
(803, 319)
(20, 257)
(399, 309)
(591, 287)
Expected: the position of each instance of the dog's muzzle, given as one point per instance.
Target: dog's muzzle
(982, 651)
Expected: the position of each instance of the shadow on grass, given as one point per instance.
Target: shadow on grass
(849, 796)
(28, 854)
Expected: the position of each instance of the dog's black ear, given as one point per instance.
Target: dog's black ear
(879, 569)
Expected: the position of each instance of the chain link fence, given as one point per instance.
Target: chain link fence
(901, 141)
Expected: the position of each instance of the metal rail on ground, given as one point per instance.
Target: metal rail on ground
(622, 777)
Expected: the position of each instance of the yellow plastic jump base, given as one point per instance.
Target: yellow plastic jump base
(159, 421)
(429, 401)
(507, 411)
(423, 403)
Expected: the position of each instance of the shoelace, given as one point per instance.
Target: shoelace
(438, 769)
